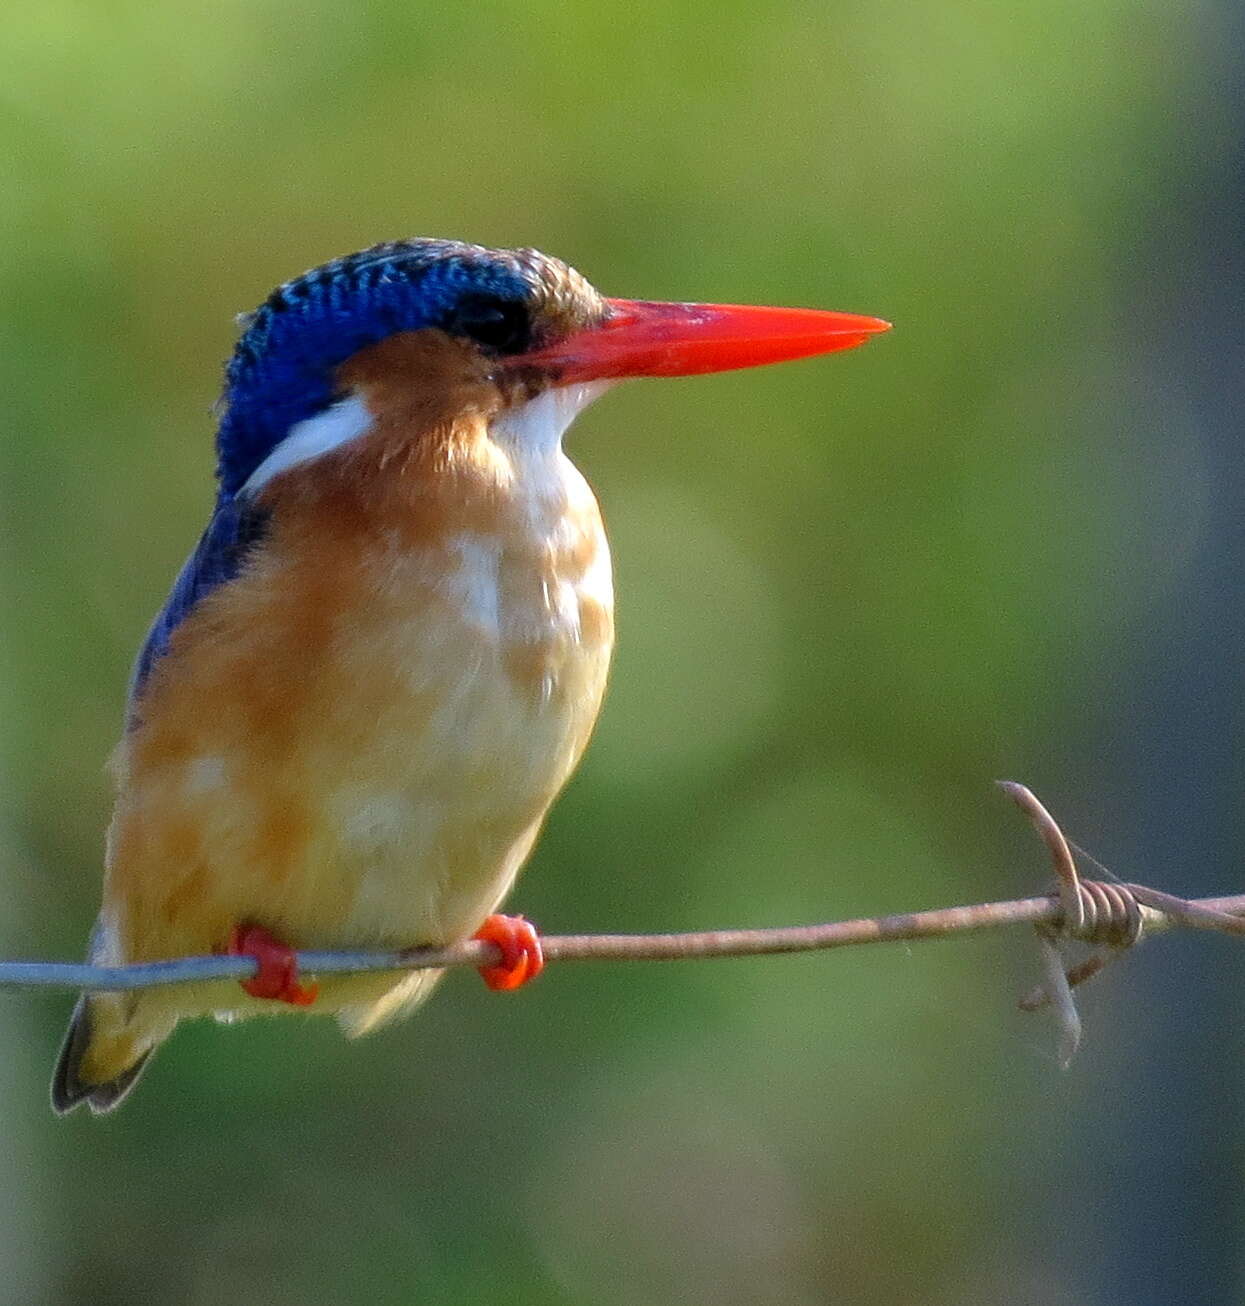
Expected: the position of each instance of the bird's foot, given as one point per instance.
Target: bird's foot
(521, 956)
(277, 976)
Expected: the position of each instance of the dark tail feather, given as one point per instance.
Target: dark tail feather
(68, 1091)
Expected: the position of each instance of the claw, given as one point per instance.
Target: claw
(277, 976)
(522, 959)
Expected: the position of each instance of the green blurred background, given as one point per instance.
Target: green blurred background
(1003, 540)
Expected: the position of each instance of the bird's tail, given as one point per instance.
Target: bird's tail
(101, 1058)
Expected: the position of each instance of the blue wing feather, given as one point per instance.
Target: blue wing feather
(234, 530)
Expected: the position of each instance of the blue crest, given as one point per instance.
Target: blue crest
(282, 368)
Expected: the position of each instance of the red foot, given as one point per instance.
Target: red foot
(521, 957)
(278, 968)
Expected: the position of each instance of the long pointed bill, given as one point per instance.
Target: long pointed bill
(649, 338)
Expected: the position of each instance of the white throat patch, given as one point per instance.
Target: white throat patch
(537, 427)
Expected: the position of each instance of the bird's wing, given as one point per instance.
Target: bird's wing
(234, 529)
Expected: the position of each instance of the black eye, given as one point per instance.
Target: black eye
(501, 325)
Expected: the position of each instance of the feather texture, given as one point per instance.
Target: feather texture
(354, 739)
(382, 661)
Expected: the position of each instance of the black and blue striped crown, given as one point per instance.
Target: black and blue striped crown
(282, 368)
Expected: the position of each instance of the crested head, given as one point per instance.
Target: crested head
(424, 333)
(289, 362)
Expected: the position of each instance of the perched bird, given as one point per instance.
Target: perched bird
(385, 657)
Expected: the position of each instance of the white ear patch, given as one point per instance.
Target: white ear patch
(346, 420)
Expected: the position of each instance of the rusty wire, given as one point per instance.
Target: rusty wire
(1108, 915)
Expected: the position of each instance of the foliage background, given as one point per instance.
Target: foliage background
(1002, 541)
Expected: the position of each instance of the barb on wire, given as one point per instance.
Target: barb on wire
(1106, 914)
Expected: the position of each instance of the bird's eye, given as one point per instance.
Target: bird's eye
(501, 326)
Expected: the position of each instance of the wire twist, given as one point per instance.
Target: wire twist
(1110, 915)
(1102, 913)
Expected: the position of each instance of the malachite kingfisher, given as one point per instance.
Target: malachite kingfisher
(386, 655)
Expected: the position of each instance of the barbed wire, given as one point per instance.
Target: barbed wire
(1109, 915)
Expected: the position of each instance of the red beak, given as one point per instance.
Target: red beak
(648, 338)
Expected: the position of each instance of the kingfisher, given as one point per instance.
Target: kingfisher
(386, 655)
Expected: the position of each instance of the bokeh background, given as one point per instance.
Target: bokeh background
(1004, 540)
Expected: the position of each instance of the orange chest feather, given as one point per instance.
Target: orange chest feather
(367, 726)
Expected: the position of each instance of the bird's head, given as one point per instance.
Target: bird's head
(456, 325)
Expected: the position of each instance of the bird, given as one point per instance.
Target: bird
(386, 654)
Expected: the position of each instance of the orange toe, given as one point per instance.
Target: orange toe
(522, 959)
(277, 977)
